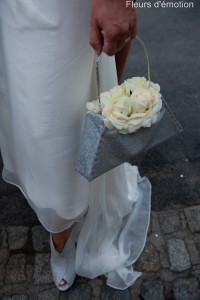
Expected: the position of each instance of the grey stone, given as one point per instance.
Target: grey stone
(155, 225)
(15, 297)
(29, 273)
(15, 269)
(197, 243)
(169, 221)
(96, 292)
(152, 290)
(186, 289)
(4, 254)
(2, 273)
(17, 236)
(178, 255)
(77, 292)
(183, 220)
(40, 238)
(196, 273)
(108, 293)
(167, 275)
(49, 294)
(193, 217)
(193, 252)
(42, 269)
(135, 288)
(3, 238)
(148, 260)
(163, 255)
(96, 282)
(157, 239)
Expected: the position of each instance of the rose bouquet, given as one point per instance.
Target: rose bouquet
(122, 123)
(127, 107)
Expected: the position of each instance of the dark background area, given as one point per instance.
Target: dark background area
(172, 37)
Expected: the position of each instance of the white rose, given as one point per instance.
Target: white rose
(135, 82)
(141, 99)
(122, 105)
(117, 92)
(134, 104)
(93, 106)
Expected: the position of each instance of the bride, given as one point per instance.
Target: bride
(47, 55)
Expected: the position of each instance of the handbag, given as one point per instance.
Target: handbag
(102, 149)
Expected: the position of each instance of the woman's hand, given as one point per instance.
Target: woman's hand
(111, 25)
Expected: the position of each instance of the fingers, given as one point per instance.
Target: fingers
(115, 39)
(96, 38)
(122, 43)
(111, 26)
(110, 45)
(107, 44)
(133, 27)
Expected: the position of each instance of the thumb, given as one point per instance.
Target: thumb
(96, 38)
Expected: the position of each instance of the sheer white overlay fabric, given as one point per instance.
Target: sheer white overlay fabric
(47, 74)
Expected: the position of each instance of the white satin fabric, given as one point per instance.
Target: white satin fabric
(47, 74)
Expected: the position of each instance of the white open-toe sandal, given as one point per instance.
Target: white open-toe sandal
(63, 264)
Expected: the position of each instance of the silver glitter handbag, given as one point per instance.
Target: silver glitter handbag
(102, 149)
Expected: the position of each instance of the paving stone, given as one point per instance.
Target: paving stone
(154, 214)
(196, 273)
(186, 289)
(152, 290)
(15, 297)
(17, 236)
(49, 294)
(42, 269)
(96, 291)
(193, 252)
(96, 282)
(3, 238)
(15, 269)
(163, 255)
(148, 260)
(135, 288)
(155, 225)
(169, 221)
(178, 255)
(167, 275)
(156, 239)
(2, 273)
(40, 238)
(29, 272)
(77, 292)
(168, 292)
(183, 220)
(198, 267)
(4, 254)
(193, 218)
(197, 244)
(108, 293)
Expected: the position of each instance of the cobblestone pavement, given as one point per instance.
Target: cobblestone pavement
(170, 263)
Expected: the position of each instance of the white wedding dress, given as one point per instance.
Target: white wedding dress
(47, 74)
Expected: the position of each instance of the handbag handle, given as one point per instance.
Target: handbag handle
(97, 67)
(179, 127)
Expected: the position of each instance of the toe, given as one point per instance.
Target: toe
(63, 282)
